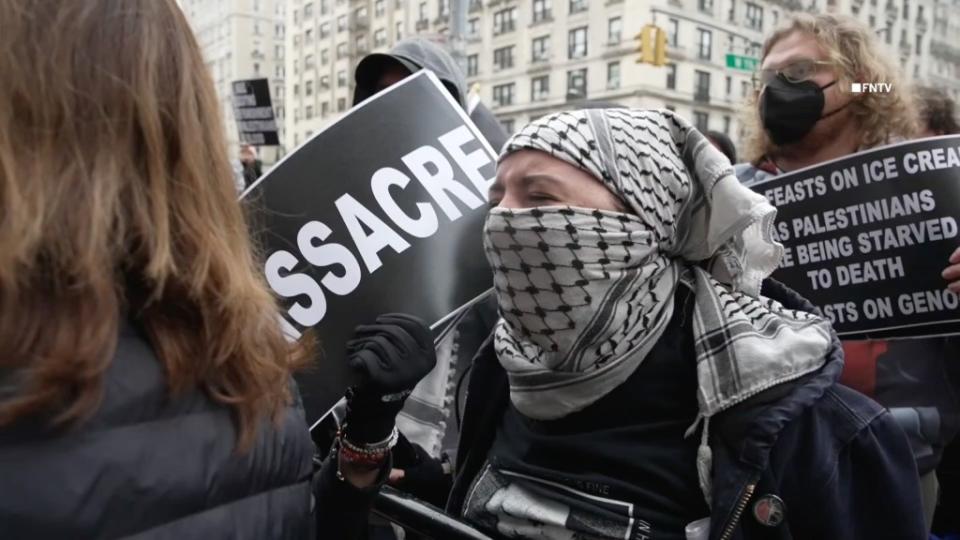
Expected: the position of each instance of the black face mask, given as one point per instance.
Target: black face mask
(790, 110)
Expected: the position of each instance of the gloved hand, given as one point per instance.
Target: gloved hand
(391, 356)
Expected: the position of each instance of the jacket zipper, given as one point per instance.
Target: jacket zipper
(738, 512)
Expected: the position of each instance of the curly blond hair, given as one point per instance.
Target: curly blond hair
(852, 47)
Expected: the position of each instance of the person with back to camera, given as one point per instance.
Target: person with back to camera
(638, 383)
(145, 385)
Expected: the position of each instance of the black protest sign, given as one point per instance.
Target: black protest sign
(866, 237)
(254, 112)
(380, 212)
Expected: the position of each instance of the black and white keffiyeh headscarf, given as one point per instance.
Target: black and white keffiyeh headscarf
(584, 294)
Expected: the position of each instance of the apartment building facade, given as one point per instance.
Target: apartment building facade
(527, 58)
(242, 39)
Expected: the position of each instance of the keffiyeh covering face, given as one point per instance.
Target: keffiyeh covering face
(584, 294)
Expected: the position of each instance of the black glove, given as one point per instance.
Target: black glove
(424, 476)
(391, 357)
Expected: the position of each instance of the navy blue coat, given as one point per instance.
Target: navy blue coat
(837, 459)
(149, 466)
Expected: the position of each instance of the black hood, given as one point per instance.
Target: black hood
(414, 54)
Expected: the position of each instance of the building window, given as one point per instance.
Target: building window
(256, 28)
(541, 10)
(614, 30)
(539, 88)
(906, 10)
(324, 7)
(540, 49)
(380, 38)
(422, 11)
(324, 57)
(473, 65)
(504, 21)
(503, 94)
(309, 111)
(308, 10)
(473, 27)
(744, 88)
(503, 58)
(508, 125)
(705, 5)
(701, 120)
(341, 104)
(341, 50)
(577, 43)
(308, 35)
(379, 8)
(399, 31)
(726, 125)
(671, 76)
(341, 78)
(701, 91)
(706, 44)
(341, 23)
(325, 82)
(673, 29)
(309, 62)
(443, 9)
(732, 14)
(729, 86)
(308, 88)
(613, 75)
(577, 84)
(324, 30)
(296, 89)
(577, 6)
(324, 109)
(754, 16)
(919, 43)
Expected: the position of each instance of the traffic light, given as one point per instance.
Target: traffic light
(660, 53)
(652, 45)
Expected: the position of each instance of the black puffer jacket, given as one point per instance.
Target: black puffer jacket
(147, 466)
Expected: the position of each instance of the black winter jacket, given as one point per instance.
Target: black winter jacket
(148, 466)
(837, 460)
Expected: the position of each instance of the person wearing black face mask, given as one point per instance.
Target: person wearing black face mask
(790, 110)
(806, 114)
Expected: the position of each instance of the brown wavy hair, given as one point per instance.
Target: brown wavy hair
(852, 47)
(117, 201)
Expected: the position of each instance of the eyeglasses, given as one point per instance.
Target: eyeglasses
(795, 72)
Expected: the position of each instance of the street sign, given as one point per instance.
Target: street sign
(744, 63)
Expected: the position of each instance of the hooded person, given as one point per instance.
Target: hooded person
(378, 71)
(638, 382)
(428, 423)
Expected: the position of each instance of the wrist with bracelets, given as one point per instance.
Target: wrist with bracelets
(364, 456)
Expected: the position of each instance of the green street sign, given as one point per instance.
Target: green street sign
(744, 63)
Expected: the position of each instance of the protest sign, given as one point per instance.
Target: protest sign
(254, 112)
(867, 236)
(380, 212)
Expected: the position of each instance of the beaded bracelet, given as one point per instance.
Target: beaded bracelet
(368, 456)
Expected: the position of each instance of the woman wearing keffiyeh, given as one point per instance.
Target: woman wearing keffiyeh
(638, 380)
